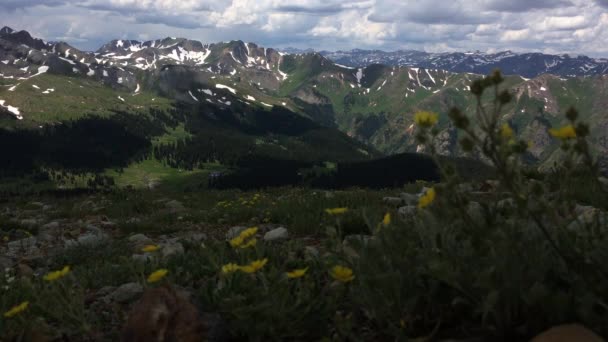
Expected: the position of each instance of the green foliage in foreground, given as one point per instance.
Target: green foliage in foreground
(502, 265)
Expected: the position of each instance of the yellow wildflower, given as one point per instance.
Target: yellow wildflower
(297, 273)
(387, 219)
(157, 275)
(150, 248)
(426, 119)
(427, 199)
(336, 211)
(254, 266)
(17, 309)
(52, 276)
(230, 268)
(506, 131)
(342, 274)
(244, 235)
(564, 133)
(250, 243)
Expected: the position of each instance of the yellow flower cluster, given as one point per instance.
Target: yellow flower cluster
(427, 198)
(17, 309)
(241, 201)
(426, 119)
(342, 274)
(245, 239)
(150, 248)
(52, 276)
(252, 267)
(336, 211)
(563, 133)
(506, 132)
(297, 273)
(157, 275)
(387, 219)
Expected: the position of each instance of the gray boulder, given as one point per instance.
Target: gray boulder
(277, 234)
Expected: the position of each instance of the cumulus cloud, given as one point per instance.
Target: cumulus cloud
(11, 5)
(562, 26)
(525, 5)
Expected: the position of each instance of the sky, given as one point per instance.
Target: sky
(549, 26)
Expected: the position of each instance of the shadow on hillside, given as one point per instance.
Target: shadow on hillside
(91, 144)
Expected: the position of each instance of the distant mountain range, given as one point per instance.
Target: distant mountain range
(524, 64)
(360, 101)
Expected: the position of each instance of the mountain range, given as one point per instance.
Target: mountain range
(358, 104)
(524, 64)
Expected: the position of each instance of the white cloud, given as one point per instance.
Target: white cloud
(564, 26)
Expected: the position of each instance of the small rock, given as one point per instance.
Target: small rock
(312, 251)
(280, 233)
(407, 212)
(504, 204)
(172, 249)
(476, 212)
(22, 244)
(142, 258)
(234, 232)
(394, 201)
(580, 209)
(195, 237)
(174, 206)
(5, 263)
(87, 239)
(51, 225)
(29, 222)
(568, 333)
(24, 270)
(409, 199)
(134, 220)
(140, 240)
(126, 292)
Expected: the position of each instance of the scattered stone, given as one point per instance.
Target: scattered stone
(87, 239)
(172, 249)
(5, 263)
(134, 220)
(126, 292)
(504, 204)
(24, 270)
(234, 232)
(588, 216)
(196, 237)
(465, 187)
(51, 225)
(408, 212)
(174, 206)
(277, 234)
(312, 251)
(476, 212)
(142, 258)
(25, 246)
(393, 201)
(409, 199)
(29, 222)
(163, 314)
(568, 333)
(140, 240)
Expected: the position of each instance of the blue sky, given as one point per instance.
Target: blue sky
(551, 26)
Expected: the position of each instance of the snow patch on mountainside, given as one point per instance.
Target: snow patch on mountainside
(192, 96)
(221, 86)
(14, 110)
